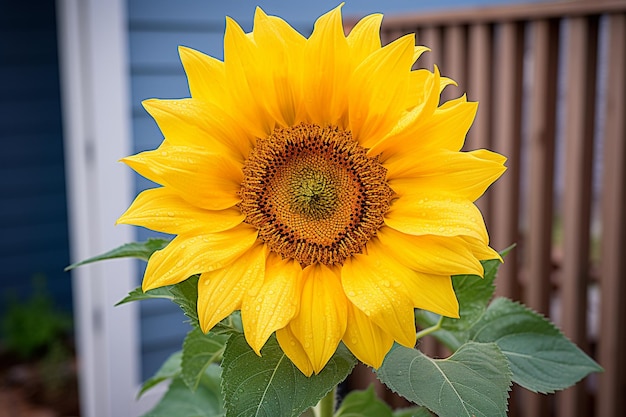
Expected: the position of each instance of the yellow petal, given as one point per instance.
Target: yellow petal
(205, 74)
(163, 210)
(481, 250)
(378, 87)
(190, 122)
(364, 37)
(321, 321)
(445, 128)
(464, 174)
(188, 255)
(366, 340)
(294, 350)
(430, 254)
(280, 49)
(433, 293)
(276, 302)
(418, 50)
(204, 179)
(444, 82)
(375, 288)
(241, 61)
(220, 292)
(416, 89)
(426, 291)
(448, 125)
(424, 213)
(422, 101)
(326, 70)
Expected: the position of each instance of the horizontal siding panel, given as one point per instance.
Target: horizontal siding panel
(33, 236)
(50, 258)
(160, 49)
(42, 80)
(33, 214)
(23, 210)
(297, 14)
(160, 329)
(19, 287)
(26, 45)
(40, 177)
(146, 133)
(158, 86)
(29, 115)
(36, 148)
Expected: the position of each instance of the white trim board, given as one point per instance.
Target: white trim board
(93, 59)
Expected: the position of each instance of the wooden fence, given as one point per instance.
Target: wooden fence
(551, 82)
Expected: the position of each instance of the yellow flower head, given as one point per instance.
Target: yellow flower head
(317, 186)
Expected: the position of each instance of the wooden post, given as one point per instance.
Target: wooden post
(579, 131)
(611, 401)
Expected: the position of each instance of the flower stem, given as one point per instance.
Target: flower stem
(429, 330)
(326, 406)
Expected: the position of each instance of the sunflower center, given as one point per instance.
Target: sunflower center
(314, 194)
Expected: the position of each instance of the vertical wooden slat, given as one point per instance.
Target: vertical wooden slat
(479, 83)
(431, 37)
(479, 89)
(507, 140)
(391, 35)
(454, 58)
(611, 400)
(542, 133)
(507, 137)
(579, 131)
(542, 120)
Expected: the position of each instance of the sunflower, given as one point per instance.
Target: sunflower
(316, 185)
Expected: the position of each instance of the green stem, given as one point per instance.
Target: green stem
(430, 329)
(326, 406)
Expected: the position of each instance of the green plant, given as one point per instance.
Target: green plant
(34, 324)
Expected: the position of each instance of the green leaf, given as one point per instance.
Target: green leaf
(413, 412)
(231, 324)
(137, 295)
(540, 357)
(473, 382)
(363, 404)
(141, 250)
(271, 385)
(185, 294)
(473, 293)
(179, 400)
(170, 369)
(199, 351)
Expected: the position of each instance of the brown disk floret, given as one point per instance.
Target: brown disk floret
(314, 194)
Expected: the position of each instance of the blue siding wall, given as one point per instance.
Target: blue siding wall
(33, 216)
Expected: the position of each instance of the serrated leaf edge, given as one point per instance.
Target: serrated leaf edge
(551, 325)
